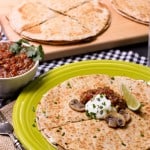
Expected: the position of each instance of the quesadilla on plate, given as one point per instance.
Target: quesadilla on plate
(136, 10)
(60, 22)
(69, 128)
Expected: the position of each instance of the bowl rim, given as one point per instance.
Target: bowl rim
(21, 75)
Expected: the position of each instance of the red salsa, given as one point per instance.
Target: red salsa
(14, 64)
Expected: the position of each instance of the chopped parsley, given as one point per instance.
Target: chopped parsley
(57, 130)
(33, 109)
(57, 117)
(123, 144)
(94, 106)
(63, 134)
(91, 115)
(103, 103)
(98, 129)
(82, 119)
(35, 120)
(112, 78)
(55, 102)
(60, 128)
(33, 125)
(141, 134)
(69, 85)
(101, 111)
(101, 107)
(43, 111)
(102, 95)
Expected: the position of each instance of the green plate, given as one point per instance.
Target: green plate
(24, 109)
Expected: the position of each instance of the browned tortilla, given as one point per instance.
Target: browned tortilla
(73, 130)
(60, 21)
(136, 10)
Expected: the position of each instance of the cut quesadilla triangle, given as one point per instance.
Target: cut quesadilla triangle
(84, 135)
(61, 6)
(137, 133)
(28, 15)
(97, 17)
(138, 10)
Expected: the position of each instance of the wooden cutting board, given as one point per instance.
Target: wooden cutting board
(122, 31)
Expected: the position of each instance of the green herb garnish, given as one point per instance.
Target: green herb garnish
(98, 129)
(23, 46)
(63, 133)
(60, 128)
(102, 95)
(57, 117)
(94, 106)
(33, 109)
(69, 85)
(123, 144)
(91, 115)
(57, 130)
(104, 104)
(33, 125)
(141, 133)
(55, 102)
(101, 107)
(112, 78)
(101, 112)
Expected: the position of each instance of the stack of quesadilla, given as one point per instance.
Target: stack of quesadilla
(60, 21)
(68, 129)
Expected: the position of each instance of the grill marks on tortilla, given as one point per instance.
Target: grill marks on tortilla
(138, 10)
(61, 6)
(59, 28)
(96, 17)
(60, 22)
(55, 100)
(28, 15)
(61, 125)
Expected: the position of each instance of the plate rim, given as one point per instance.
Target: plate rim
(19, 102)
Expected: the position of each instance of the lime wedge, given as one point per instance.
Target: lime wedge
(131, 101)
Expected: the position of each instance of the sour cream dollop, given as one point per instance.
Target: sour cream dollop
(98, 107)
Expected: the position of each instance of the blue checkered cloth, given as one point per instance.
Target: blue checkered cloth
(128, 56)
(113, 54)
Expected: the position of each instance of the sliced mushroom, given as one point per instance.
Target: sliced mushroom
(111, 121)
(121, 122)
(115, 120)
(125, 115)
(77, 105)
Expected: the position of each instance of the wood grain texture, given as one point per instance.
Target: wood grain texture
(122, 31)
